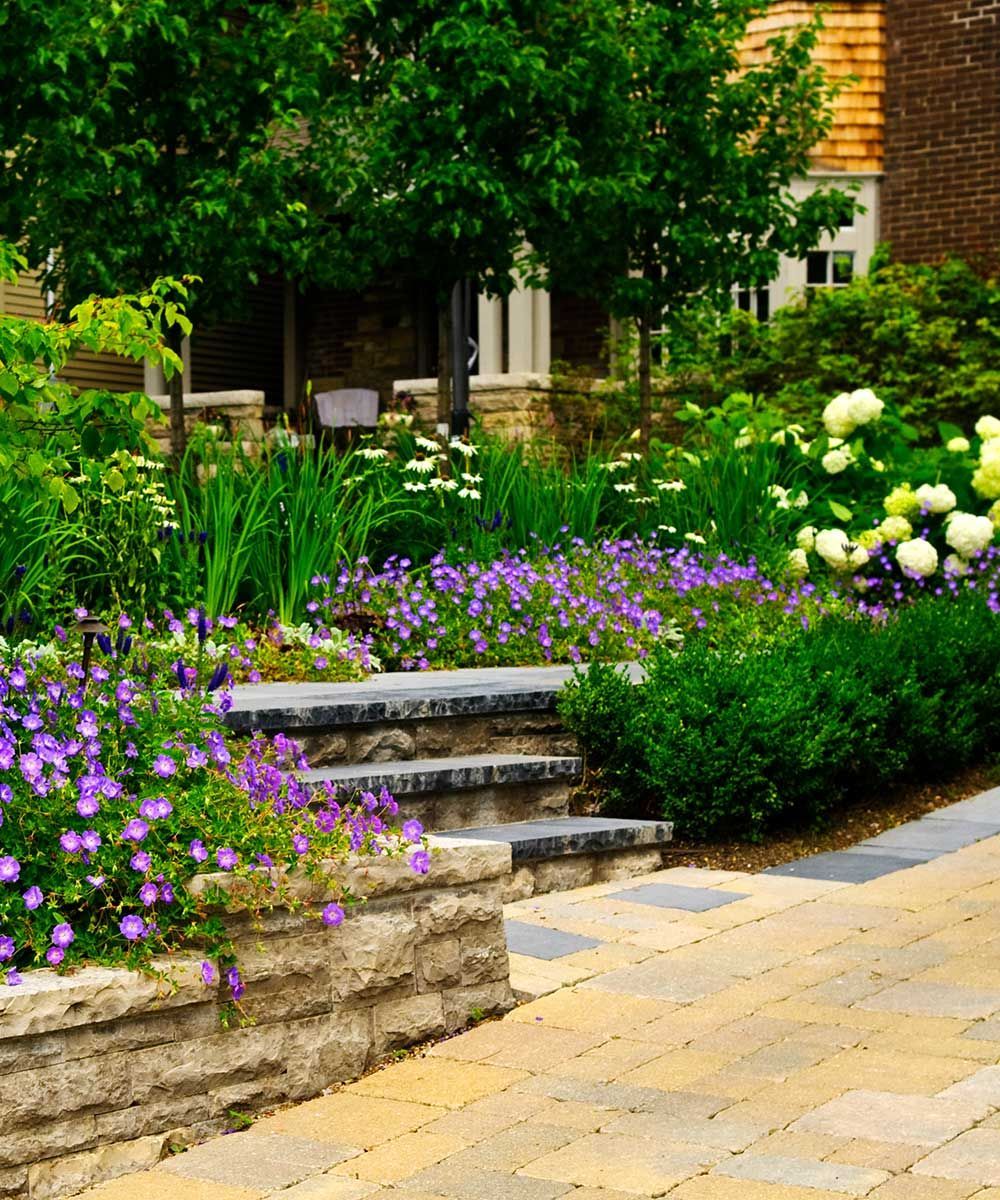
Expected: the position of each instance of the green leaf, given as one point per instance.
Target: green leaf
(839, 511)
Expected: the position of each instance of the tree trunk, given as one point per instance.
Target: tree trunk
(645, 380)
(175, 390)
(444, 366)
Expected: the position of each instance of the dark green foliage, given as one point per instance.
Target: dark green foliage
(728, 744)
(925, 338)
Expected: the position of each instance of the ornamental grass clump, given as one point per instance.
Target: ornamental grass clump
(116, 789)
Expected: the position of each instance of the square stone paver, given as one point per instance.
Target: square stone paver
(539, 941)
(942, 835)
(913, 1120)
(720, 1133)
(975, 1156)
(400, 1158)
(842, 866)
(803, 1172)
(672, 895)
(982, 1087)
(931, 999)
(984, 807)
(254, 1160)
(514, 1147)
(323, 1187)
(985, 1031)
(370, 1119)
(156, 1185)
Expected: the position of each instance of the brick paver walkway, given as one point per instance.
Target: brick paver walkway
(724, 1037)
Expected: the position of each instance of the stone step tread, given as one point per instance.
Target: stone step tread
(569, 835)
(398, 696)
(410, 776)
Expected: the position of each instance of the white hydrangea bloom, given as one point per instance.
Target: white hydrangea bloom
(953, 565)
(958, 445)
(969, 534)
(805, 539)
(994, 513)
(987, 428)
(837, 417)
(986, 477)
(798, 564)
(870, 538)
(917, 557)
(939, 499)
(895, 529)
(835, 461)
(864, 407)
(838, 551)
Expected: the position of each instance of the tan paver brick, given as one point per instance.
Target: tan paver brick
(154, 1185)
(719, 1187)
(972, 1156)
(913, 1120)
(368, 1120)
(327, 1187)
(674, 1070)
(609, 1060)
(402, 1157)
(626, 1163)
(574, 1114)
(571, 1008)
(913, 1187)
(483, 1118)
(436, 1081)
(887, 1156)
(802, 1172)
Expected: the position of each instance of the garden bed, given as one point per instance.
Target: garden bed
(105, 1070)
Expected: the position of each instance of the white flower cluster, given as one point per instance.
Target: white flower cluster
(917, 557)
(967, 534)
(986, 477)
(838, 551)
(847, 411)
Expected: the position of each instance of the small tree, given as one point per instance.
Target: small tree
(147, 138)
(686, 160)
(434, 153)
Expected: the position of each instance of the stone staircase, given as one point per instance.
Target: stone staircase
(473, 753)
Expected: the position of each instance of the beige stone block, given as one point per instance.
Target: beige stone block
(575, 1114)
(913, 1187)
(869, 1069)
(46, 1001)
(328, 1187)
(406, 1020)
(485, 961)
(399, 1159)
(790, 1144)
(63, 1090)
(372, 952)
(439, 964)
(436, 1081)
(538, 1048)
(347, 1116)
(465, 1005)
(885, 1156)
(60, 1176)
(555, 971)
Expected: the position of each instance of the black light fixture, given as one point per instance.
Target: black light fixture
(89, 628)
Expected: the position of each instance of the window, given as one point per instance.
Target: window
(829, 268)
(755, 300)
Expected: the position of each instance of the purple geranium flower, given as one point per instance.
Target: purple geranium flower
(10, 869)
(236, 986)
(6, 948)
(135, 830)
(33, 898)
(63, 936)
(70, 842)
(420, 861)
(14, 978)
(208, 976)
(140, 861)
(132, 927)
(148, 893)
(197, 851)
(333, 914)
(164, 766)
(413, 831)
(54, 956)
(226, 858)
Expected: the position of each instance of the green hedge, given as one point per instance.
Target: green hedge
(731, 745)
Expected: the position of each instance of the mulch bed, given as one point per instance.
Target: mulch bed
(848, 826)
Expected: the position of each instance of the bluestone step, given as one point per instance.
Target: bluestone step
(410, 776)
(568, 852)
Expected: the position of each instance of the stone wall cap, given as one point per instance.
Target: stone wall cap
(239, 398)
(526, 380)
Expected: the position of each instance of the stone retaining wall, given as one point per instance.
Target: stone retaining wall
(239, 413)
(103, 1070)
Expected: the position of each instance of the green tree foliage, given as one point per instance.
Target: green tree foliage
(145, 138)
(926, 338)
(432, 158)
(681, 188)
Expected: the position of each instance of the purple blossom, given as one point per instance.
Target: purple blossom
(197, 851)
(236, 987)
(33, 898)
(132, 927)
(14, 978)
(164, 766)
(10, 869)
(148, 894)
(333, 915)
(63, 935)
(54, 956)
(208, 975)
(226, 858)
(70, 842)
(135, 830)
(300, 843)
(140, 861)
(7, 948)
(413, 831)
(420, 862)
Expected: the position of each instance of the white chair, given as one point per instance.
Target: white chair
(346, 408)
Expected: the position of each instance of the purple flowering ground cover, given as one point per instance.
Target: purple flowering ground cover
(116, 788)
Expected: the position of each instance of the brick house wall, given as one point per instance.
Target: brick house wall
(942, 138)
